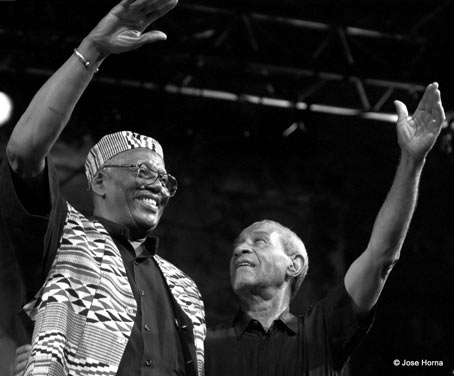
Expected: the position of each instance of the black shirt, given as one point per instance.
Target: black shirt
(32, 215)
(154, 347)
(316, 344)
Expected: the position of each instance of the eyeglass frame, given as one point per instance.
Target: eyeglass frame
(159, 174)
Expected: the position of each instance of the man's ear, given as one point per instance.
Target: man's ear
(296, 267)
(98, 184)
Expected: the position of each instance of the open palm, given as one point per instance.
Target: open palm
(418, 133)
(122, 28)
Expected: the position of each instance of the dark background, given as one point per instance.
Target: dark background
(235, 162)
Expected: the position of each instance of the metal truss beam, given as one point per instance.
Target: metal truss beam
(261, 58)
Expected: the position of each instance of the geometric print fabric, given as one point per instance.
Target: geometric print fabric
(188, 297)
(87, 301)
(85, 310)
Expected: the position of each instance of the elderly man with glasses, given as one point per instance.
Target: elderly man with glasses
(99, 300)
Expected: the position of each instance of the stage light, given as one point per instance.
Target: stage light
(6, 108)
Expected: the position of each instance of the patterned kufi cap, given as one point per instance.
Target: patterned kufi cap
(115, 143)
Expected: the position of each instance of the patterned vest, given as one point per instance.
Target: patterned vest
(85, 310)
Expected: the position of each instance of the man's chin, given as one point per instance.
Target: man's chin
(148, 220)
(148, 226)
(242, 285)
(145, 227)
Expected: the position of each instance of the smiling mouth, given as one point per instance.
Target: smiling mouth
(149, 202)
(244, 265)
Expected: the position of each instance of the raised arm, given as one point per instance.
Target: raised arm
(119, 31)
(416, 134)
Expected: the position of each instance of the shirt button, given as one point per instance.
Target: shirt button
(148, 362)
(142, 292)
(189, 362)
(176, 323)
(147, 328)
(136, 263)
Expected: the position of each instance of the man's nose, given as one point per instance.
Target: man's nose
(241, 249)
(155, 186)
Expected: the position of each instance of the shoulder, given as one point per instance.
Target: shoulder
(338, 295)
(221, 326)
(220, 331)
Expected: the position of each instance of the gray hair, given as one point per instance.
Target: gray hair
(292, 244)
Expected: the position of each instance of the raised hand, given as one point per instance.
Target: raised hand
(122, 28)
(417, 133)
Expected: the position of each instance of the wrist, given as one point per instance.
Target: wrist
(92, 52)
(411, 162)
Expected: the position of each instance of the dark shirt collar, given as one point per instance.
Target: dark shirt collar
(287, 321)
(121, 233)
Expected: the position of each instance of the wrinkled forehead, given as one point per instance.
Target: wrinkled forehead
(139, 155)
(268, 230)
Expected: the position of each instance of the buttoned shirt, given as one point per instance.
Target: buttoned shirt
(154, 347)
(318, 343)
(33, 215)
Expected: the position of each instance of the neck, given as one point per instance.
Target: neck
(265, 307)
(136, 234)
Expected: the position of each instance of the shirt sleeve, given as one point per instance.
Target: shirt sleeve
(335, 329)
(346, 329)
(32, 215)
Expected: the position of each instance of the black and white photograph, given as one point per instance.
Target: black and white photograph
(226, 188)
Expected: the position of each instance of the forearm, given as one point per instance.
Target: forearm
(394, 217)
(367, 275)
(49, 111)
(417, 134)
(121, 30)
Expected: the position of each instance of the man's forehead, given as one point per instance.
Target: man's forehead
(264, 229)
(142, 155)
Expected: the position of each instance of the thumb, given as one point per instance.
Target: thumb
(401, 109)
(152, 36)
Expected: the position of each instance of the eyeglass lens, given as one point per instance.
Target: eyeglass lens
(150, 173)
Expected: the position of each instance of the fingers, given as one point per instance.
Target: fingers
(401, 109)
(432, 106)
(140, 5)
(430, 97)
(155, 11)
(426, 101)
(147, 6)
(432, 90)
(132, 39)
(126, 3)
(141, 13)
(151, 37)
(438, 111)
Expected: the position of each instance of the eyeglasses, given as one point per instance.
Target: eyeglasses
(146, 171)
